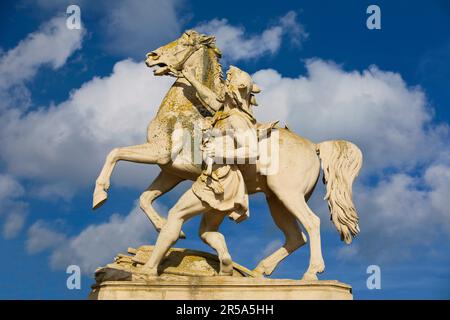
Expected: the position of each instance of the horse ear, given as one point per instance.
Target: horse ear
(255, 89)
(217, 51)
(208, 40)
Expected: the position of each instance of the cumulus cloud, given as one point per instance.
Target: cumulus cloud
(404, 203)
(94, 246)
(41, 237)
(130, 28)
(401, 214)
(236, 45)
(51, 45)
(376, 109)
(12, 209)
(65, 145)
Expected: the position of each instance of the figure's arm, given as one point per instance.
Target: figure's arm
(246, 149)
(244, 143)
(208, 98)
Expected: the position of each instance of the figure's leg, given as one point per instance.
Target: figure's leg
(188, 206)
(294, 237)
(163, 183)
(209, 234)
(143, 153)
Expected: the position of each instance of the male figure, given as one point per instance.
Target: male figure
(220, 191)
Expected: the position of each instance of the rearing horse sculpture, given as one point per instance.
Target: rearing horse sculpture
(287, 191)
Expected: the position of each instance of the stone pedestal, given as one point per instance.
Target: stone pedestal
(221, 288)
(193, 275)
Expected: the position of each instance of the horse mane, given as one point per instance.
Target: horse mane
(217, 72)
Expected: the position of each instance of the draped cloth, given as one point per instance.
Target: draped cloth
(224, 190)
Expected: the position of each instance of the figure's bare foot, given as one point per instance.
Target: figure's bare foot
(149, 271)
(226, 265)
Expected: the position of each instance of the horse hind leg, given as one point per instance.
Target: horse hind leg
(163, 183)
(208, 233)
(311, 222)
(142, 153)
(294, 237)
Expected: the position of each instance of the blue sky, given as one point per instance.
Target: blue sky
(69, 96)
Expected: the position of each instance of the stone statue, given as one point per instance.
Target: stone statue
(224, 176)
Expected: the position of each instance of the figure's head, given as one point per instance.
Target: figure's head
(241, 88)
(175, 54)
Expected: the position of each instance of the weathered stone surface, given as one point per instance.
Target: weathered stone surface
(178, 261)
(191, 274)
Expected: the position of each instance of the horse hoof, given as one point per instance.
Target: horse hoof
(262, 270)
(259, 272)
(100, 197)
(310, 277)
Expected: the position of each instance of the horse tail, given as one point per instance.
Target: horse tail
(341, 161)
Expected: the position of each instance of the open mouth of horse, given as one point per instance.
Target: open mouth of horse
(159, 68)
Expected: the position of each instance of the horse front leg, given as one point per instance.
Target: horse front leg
(142, 153)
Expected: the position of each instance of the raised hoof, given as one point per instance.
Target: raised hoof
(100, 197)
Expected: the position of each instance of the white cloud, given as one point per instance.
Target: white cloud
(401, 214)
(9, 188)
(51, 45)
(127, 28)
(347, 252)
(438, 178)
(405, 204)
(12, 209)
(41, 237)
(94, 246)
(376, 109)
(236, 45)
(65, 145)
(14, 223)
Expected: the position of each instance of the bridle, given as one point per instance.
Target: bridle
(174, 71)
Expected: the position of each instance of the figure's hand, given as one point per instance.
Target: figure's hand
(209, 150)
(175, 73)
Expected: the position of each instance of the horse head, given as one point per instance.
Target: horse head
(171, 58)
